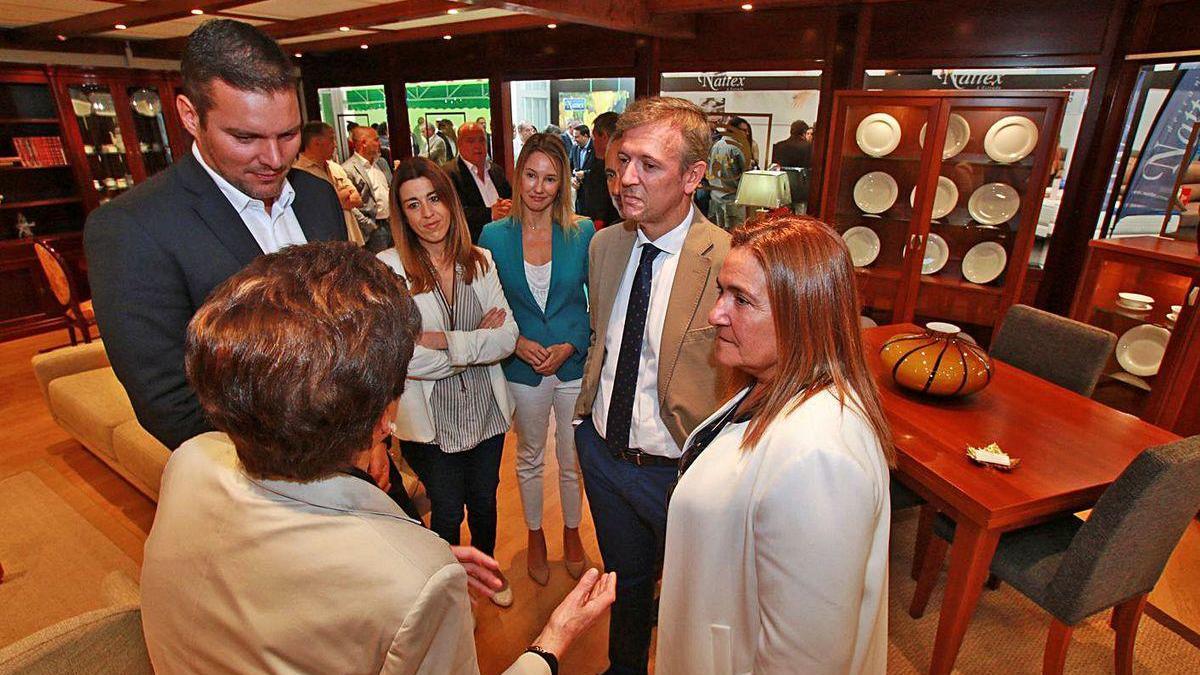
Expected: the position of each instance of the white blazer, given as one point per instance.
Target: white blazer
(777, 557)
(414, 417)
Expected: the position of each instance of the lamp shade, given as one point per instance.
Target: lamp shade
(767, 189)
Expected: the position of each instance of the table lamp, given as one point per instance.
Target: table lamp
(764, 189)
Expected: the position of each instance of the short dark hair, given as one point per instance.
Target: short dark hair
(583, 130)
(605, 123)
(297, 356)
(799, 128)
(311, 131)
(237, 53)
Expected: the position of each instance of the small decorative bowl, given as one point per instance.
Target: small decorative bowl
(942, 361)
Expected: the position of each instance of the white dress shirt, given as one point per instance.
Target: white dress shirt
(379, 188)
(272, 230)
(647, 431)
(487, 189)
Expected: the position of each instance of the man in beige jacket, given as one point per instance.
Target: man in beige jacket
(650, 377)
(317, 148)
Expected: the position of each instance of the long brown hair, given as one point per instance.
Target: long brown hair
(563, 212)
(458, 240)
(814, 303)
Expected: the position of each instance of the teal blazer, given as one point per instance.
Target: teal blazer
(566, 315)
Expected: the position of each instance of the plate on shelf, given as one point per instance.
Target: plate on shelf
(937, 252)
(1135, 301)
(944, 200)
(102, 104)
(1131, 380)
(875, 192)
(1011, 139)
(863, 244)
(994, 203)
(878, 134)
(984, 262)
(957, 135)
(145, 103)
(1173, 317)
(1140, 350)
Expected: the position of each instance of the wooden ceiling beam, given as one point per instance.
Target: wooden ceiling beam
(139, 14)
(504, 23)
(627, 16)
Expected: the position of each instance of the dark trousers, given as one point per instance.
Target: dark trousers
(456, 480)
(380, 239)
(629, 509)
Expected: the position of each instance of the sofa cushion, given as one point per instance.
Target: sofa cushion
(141, 455)
(90, 405)
(58, 363)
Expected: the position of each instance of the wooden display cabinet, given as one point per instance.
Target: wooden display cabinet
(902, 194)
(1167, 270)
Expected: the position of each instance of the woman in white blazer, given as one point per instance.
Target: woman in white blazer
(777, 532)
(456, 409)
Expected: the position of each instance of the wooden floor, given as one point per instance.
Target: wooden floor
(31, 441)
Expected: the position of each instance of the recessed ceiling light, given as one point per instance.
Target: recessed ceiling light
(362, 46)
(120, 26)
(61, 37)
(197, 11)
(452, 11)
(344, 29)
(551, 26)
(747, 7)
(446, 37)
(298, 55)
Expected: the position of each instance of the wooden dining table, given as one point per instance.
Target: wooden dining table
(1070, 449)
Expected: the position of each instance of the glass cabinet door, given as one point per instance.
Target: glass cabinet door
(96, 114)
(874, 180)
(150, 127)
(985, 209)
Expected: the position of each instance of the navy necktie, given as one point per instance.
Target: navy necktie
(620, 404)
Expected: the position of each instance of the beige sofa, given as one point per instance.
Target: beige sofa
(88, 402)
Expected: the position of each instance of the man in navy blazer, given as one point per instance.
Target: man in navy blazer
(155, 253)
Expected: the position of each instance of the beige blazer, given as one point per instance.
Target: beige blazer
(690, 383)
(245, 575)
(335, 175)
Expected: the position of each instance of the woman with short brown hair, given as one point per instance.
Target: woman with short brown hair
(777, 531)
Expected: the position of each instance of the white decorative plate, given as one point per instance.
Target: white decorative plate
(994, 203)
(1011, 139)
(1135, 298)
(878, 134)
(957, 135)
(944, 200)
(1140, 350)
(984, 262)
(1134, 306)
(863, 244)
(937, 252)
(875, 192)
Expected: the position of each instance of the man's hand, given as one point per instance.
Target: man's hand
(433, 340)
(380, 466)
(345, 198)
(493, 318)
(557, 355)
(483, 572)
(531, 352)
(501, 208)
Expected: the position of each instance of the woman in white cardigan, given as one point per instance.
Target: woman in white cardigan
(777, 532)
(456, 409)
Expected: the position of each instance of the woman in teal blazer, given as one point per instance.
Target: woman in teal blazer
(541, 255)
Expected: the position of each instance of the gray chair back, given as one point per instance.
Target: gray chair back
(1123, 547)
(1066, 352)
(104, 642)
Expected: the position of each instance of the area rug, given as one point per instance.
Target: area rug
(56, 565)
(1008, 632)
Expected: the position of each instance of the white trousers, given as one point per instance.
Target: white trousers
(532, 419)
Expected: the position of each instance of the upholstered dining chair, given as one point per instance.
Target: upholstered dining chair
(78, 315)
(1066, 352)
(1074, 569)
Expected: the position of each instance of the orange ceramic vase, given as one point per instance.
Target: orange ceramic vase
(941, 361)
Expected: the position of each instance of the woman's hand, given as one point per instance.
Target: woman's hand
(501, 208)
(493, 318)
(483, 572)
(579, 610)
(531, 352)
(433, 340)
(556, 356)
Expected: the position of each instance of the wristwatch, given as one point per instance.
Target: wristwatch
(551, 659)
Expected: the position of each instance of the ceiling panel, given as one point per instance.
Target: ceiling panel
(165, 29)
(291, 9)
(25, 12)
(446, 19)
(325, 36)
